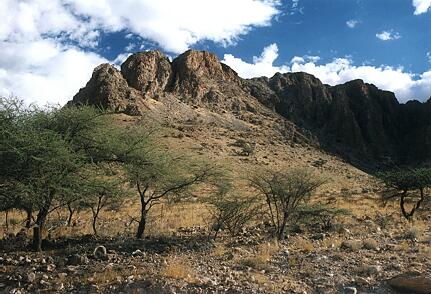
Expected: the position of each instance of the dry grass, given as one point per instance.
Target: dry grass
(168, 218)
(404, 246)
(267, 250)
(163, 219)
(219, 250)
(303, 244)
(294, 262)
(259, 278)
(371, 244)
(106, 276)
(331, 242)
(263, 255)
(412, 233)
(179, 268)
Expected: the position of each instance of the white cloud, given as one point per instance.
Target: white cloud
(421, 6)
(47, 45)
(44, 71)
(262, 65)
(352, 23)
(130, 47)
(118, 61)
(176, 25)
(388, 35)
(405, 85)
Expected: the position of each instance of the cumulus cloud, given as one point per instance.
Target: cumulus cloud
(176, 25)
(262, 65)
(48, 46)
(388, 35)
(421, 6)
(352, 23)
(405, 85)
(44, 71)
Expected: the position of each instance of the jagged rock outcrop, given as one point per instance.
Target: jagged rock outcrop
(148, 72)
(360, 122)
(194, 77)
(200, 78)
(355, 118)
(108, 89)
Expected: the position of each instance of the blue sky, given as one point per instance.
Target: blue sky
(50, 47)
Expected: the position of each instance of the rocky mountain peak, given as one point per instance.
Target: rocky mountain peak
(107, 88)
(356, 120)
(199, 75)
(149, 72)
(194, 63)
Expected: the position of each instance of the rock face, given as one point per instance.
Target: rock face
(363, 124)
(107, 88)
(415, 123)
(354, 119)
(199, 78)
(148, 72)
(412, 283)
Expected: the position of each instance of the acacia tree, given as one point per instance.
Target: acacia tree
(232, 213)
(36, 161)
(283, 191)
(45, 151)
(161, 175)
(406, 184)
(99, 193)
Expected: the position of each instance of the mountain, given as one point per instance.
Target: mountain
(357, 121)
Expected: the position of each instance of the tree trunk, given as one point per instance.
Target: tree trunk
(71, 211)
(7, 220)
(38, 229)
(94, 225)
(142, 224)
(409, 215)
(282, 228)
(29, 217)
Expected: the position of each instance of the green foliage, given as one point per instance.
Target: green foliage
(406, 185)
(284, 191)
(247, 149)
(162, 175)
(233, 213)
(34, 159)
(407, 179)
(52, 157)
(317, 217)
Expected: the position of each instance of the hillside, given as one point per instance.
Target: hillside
(359, 122)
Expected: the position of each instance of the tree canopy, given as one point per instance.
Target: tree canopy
(406, 184)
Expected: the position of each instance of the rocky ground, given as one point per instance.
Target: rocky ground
(357, 255)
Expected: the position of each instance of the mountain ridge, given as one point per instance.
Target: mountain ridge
(356, 120)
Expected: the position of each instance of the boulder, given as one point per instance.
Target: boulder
(77, 259)
(412, 282)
